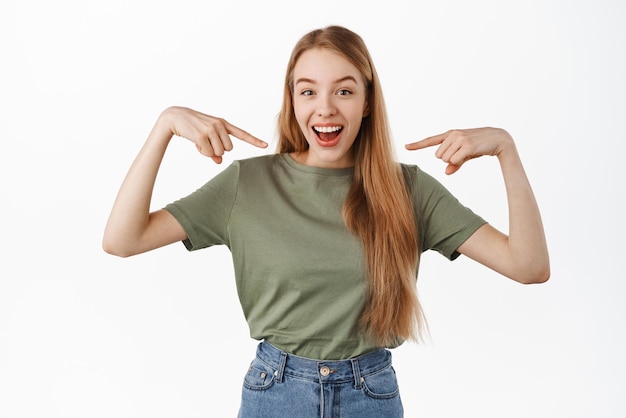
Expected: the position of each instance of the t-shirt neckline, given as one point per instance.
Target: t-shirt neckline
(330, 172)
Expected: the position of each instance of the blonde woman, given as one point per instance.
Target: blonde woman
(326, 234)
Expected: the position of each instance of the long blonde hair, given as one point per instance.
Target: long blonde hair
(378, 207)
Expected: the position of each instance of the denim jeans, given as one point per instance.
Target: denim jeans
(282, 385)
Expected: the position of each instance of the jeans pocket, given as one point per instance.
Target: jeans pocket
(260, 376)
(382, 384)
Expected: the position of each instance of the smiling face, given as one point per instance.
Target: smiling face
(329, 100)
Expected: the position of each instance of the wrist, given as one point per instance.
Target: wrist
(164, 128)
(506, 146)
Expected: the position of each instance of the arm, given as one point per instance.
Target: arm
(522, 255)
(132, 228)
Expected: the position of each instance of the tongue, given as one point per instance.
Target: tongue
(327, 136)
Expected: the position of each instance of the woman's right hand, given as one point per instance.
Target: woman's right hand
(132, 228)
(210, 134)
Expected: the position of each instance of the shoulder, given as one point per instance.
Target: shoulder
(259, 171)
(409, 169)
(421, 184)
(254, 164)
(267, 159)
(413, 174)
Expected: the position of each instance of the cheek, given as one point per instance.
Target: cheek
(302, 124)
(301, 118)
(356, 119)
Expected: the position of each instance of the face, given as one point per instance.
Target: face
(329, 101)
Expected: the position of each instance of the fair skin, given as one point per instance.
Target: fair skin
(522, 255)
(132, 228)
(329, 102)
(330, 98)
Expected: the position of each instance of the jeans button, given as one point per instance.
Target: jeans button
(324, 371)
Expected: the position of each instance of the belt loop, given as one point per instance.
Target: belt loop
(356, 371)
(281, 367)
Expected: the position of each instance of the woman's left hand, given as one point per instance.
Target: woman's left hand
(522, 254)
(460, 145)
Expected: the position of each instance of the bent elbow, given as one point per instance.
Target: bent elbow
(545, 276)
(112, 247)
(536, 277)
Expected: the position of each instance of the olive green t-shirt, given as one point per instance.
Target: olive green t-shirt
(300, 274)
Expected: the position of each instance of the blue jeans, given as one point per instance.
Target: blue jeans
(282, 385)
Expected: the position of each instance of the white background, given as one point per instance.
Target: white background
(85, 334)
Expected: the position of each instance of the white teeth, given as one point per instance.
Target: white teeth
(327, 129)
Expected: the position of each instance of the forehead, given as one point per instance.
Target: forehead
(321, 65)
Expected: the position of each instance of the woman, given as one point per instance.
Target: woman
(326, 234)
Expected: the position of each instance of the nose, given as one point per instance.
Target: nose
(326, 106)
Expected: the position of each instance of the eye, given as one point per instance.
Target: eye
(344, 92)
(306, 92)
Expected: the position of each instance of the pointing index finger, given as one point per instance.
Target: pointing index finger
(427, 142)
(245, 136)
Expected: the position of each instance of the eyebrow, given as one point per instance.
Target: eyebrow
(341, 80)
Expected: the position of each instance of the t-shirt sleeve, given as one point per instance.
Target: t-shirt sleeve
(204, 214)
(444, 223)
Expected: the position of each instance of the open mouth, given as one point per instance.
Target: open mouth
(327, 134)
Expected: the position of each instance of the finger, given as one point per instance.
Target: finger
(245, 136)
(225, 144)
(205, 148)
(452, 168)
(215, 139)
(216, 158)
(427, 142)
(448, 150)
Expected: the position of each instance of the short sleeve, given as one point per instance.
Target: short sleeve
(204, 214)
(443, 222)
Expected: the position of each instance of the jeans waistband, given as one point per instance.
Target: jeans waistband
(323, 371)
